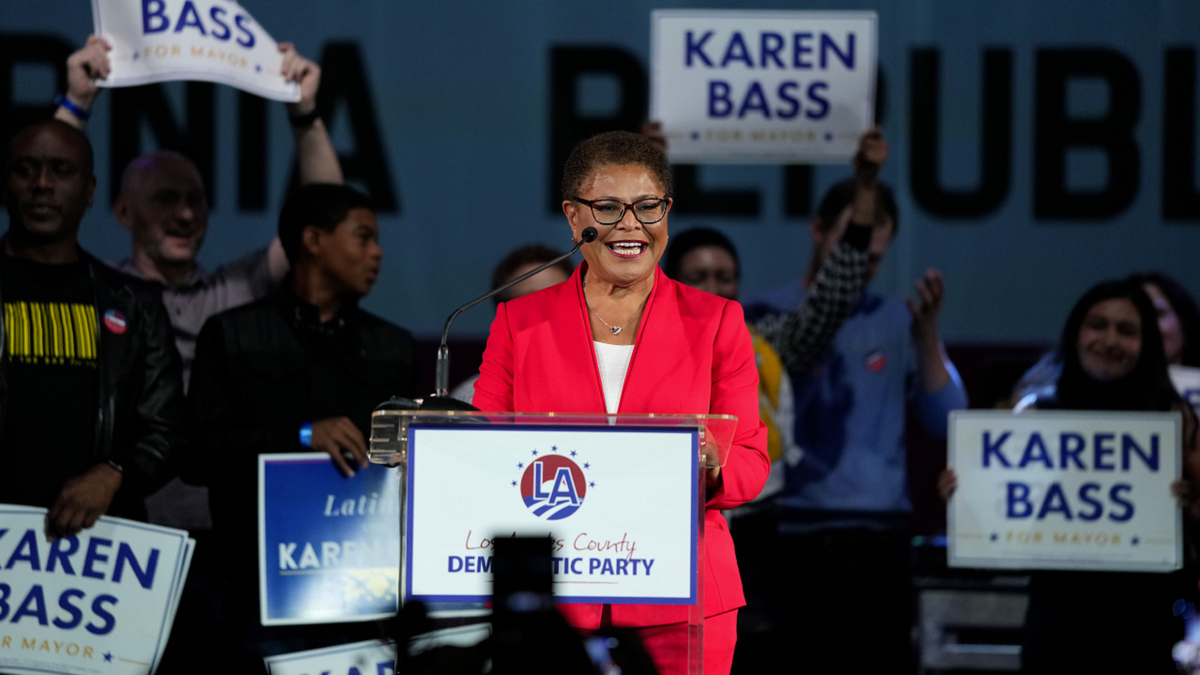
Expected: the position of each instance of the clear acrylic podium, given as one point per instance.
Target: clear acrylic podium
(713, 435)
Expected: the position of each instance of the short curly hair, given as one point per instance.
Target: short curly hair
(614, 148)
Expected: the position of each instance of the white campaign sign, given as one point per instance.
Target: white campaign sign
(99, 602)
(619, 503)
(1065, 490)
(371, 657)
(768, 87)
(211, 40)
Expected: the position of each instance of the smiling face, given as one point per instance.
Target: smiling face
(629, 251)
(1110, 340)
(349, 256)
(164, 206)
(49, 185)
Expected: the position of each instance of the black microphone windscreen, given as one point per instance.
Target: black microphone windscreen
(589, 234)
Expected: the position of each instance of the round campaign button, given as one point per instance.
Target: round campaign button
(115, 322)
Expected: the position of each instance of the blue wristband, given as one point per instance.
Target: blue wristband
(75, 110)
(306, 434)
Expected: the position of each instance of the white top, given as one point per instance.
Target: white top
(614, 364)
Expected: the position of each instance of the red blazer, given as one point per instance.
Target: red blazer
(692, 355)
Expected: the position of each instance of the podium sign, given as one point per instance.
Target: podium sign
(1065, 490)
(618, 502)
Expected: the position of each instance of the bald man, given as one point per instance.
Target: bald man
(91, 393)
(164, 205)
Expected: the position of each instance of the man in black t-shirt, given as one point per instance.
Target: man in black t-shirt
(91, 394)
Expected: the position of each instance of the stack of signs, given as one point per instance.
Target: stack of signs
(768, 87)
(211, 40)
(101, 601)
(329, 546)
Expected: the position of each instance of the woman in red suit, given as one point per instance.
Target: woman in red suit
(619, 336)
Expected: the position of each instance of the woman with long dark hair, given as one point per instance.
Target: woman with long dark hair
(1178, 320)
(1118, 622)
(1112, 358)
(1112, 354)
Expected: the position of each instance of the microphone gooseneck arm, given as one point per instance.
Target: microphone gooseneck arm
(442, 379)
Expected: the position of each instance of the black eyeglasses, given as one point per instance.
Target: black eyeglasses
(610, 211)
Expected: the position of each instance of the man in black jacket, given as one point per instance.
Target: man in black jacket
(302, 369)
(91, 390)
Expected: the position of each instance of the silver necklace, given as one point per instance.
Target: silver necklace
(615, 330)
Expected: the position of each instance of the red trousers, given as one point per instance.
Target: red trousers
(667, 645)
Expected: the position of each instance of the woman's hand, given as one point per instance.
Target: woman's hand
(712, 478)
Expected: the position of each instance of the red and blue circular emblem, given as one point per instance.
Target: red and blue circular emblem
(876, 361)
(115, 322)
(553, 486)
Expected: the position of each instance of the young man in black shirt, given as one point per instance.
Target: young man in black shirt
(91, 392)
(304, 368)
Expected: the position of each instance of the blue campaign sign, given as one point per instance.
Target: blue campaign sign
(329, 546)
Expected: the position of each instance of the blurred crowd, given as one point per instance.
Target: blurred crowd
(165, 381)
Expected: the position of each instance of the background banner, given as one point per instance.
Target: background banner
(212, 40)
(329, 546)
(100, 602)
(1065, 490)
(619, 503)
(761, 86)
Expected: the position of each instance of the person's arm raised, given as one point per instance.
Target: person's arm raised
(314, 149)
(801, 335)
(84, 67)
(931, 364)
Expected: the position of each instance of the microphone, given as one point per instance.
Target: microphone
(441, 396)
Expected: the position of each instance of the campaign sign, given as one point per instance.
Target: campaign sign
(329, 546)
(1065, 490)
(767, 87)
(211, 40)
(371, 657)
(98, 602)
(618, 503)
